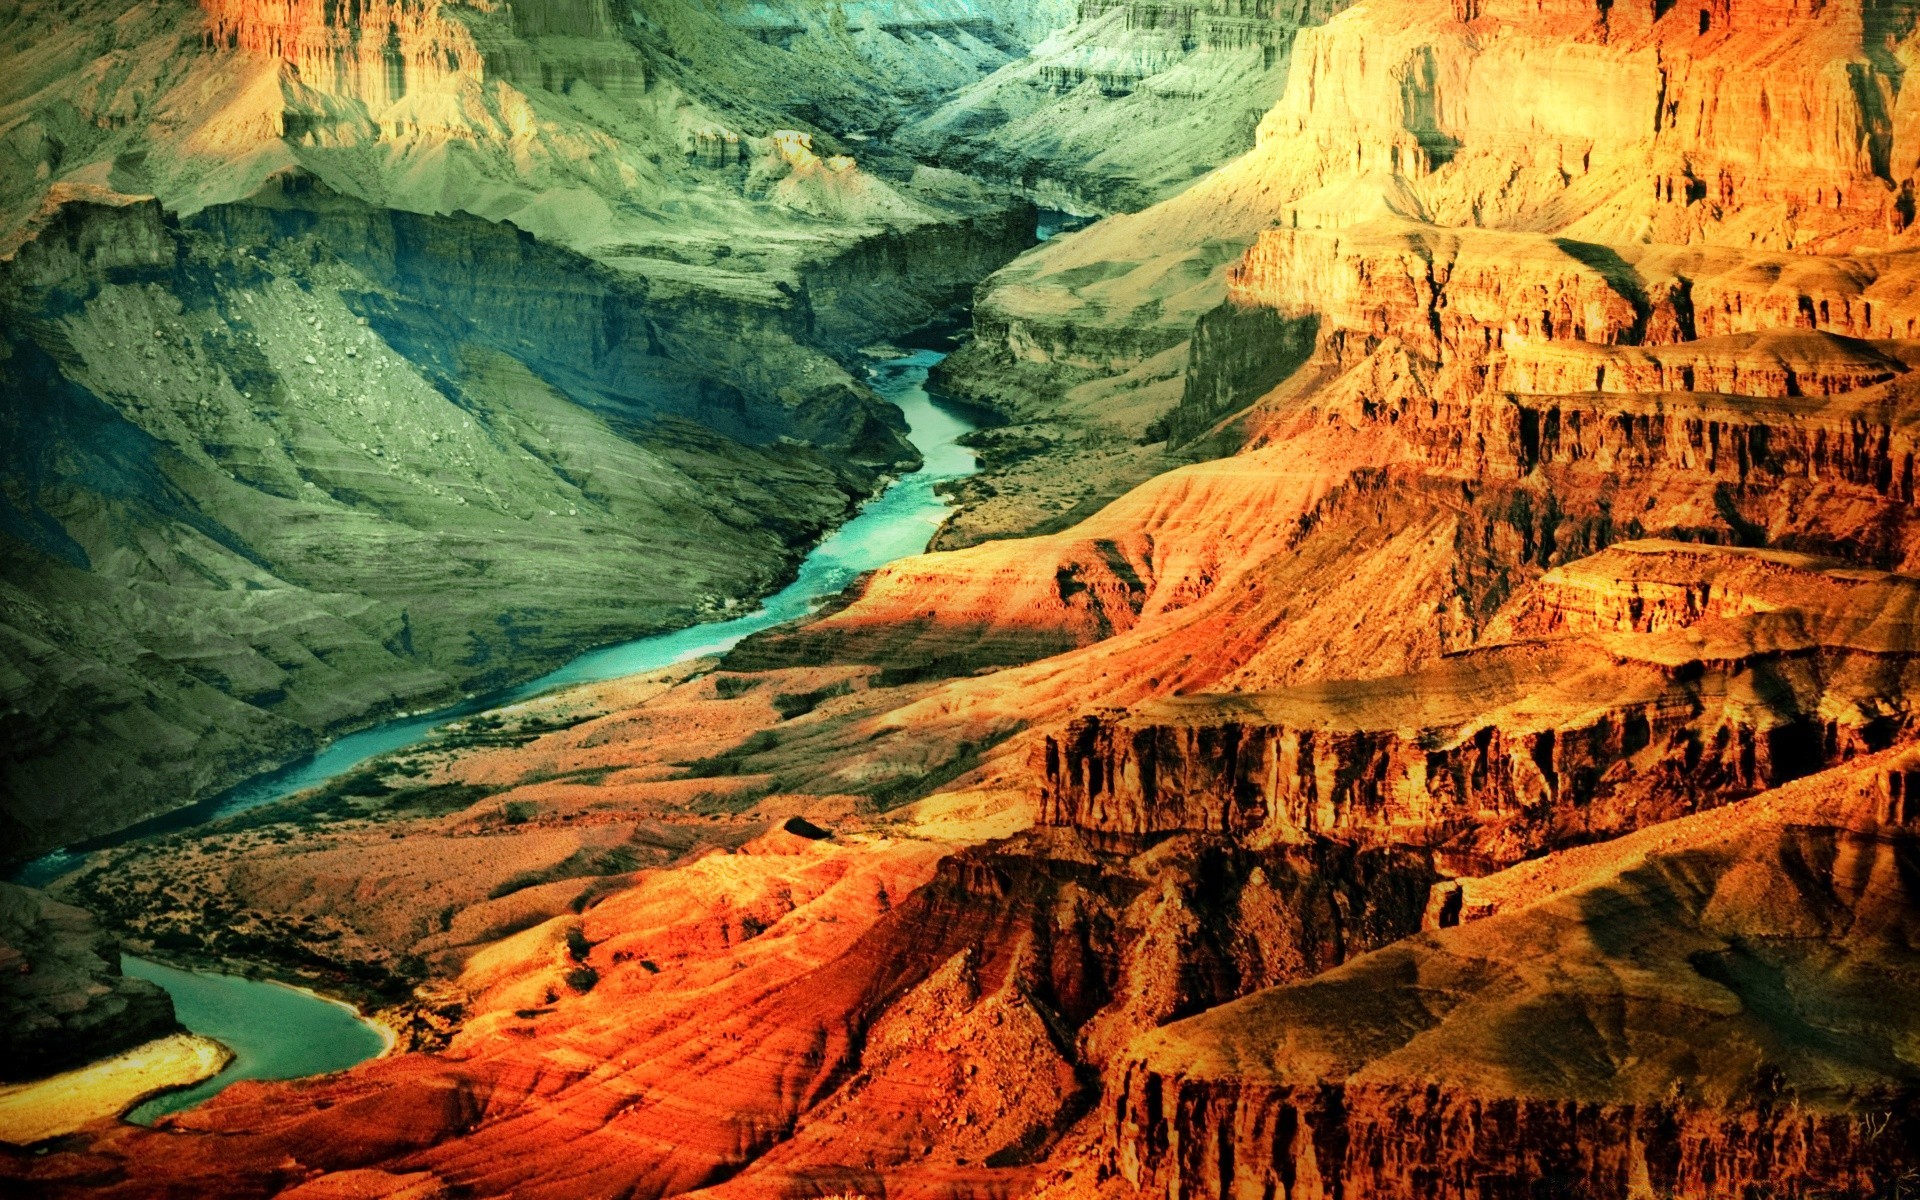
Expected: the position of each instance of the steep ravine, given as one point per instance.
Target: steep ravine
(283, 467)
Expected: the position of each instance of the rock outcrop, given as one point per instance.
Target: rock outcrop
(1398, 132)
(61, 991)
(1690, 1022)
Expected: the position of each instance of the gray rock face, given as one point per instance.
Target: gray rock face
(1127, 105)
(63, 1000)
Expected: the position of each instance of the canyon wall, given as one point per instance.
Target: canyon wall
(379, 52)
(1603, 306)
(1399, 141)
(1454, 1064)
(1641, 684)
(1126, 104)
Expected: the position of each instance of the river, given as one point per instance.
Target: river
(277, 1032)
(274, 1031)
(898, 522)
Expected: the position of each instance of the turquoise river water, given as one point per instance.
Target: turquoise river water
(274, 1031)
(279, 1032)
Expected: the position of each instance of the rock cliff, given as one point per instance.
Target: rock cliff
(1738, 967)
(65, 1000)
(1639, 699)
(1399, 129)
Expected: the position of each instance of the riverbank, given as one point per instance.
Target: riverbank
(61, 1104)
(274, 1030)
(175, 1072)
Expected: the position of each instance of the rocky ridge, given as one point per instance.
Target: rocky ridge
(1639, 698)
(66, 1001)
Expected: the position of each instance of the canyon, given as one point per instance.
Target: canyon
(238, 292)
(1416, 702)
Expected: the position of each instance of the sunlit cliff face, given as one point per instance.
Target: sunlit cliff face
(1416, 701)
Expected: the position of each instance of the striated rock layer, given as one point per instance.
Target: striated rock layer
(1699, 1021)
(1126, 104)
(1659, 677)
(1408, 136)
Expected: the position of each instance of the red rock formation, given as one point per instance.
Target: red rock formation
(377, 51)
(1460, 296)
(1690, 1023)
(1510, 111)
(1508, 750)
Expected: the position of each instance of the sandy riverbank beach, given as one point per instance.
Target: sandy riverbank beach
(59, 1104)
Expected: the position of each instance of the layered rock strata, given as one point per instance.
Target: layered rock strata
(789, 1004)
(1665, 678)
(1740, 964)
(1127, 103)
(1398, 131)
